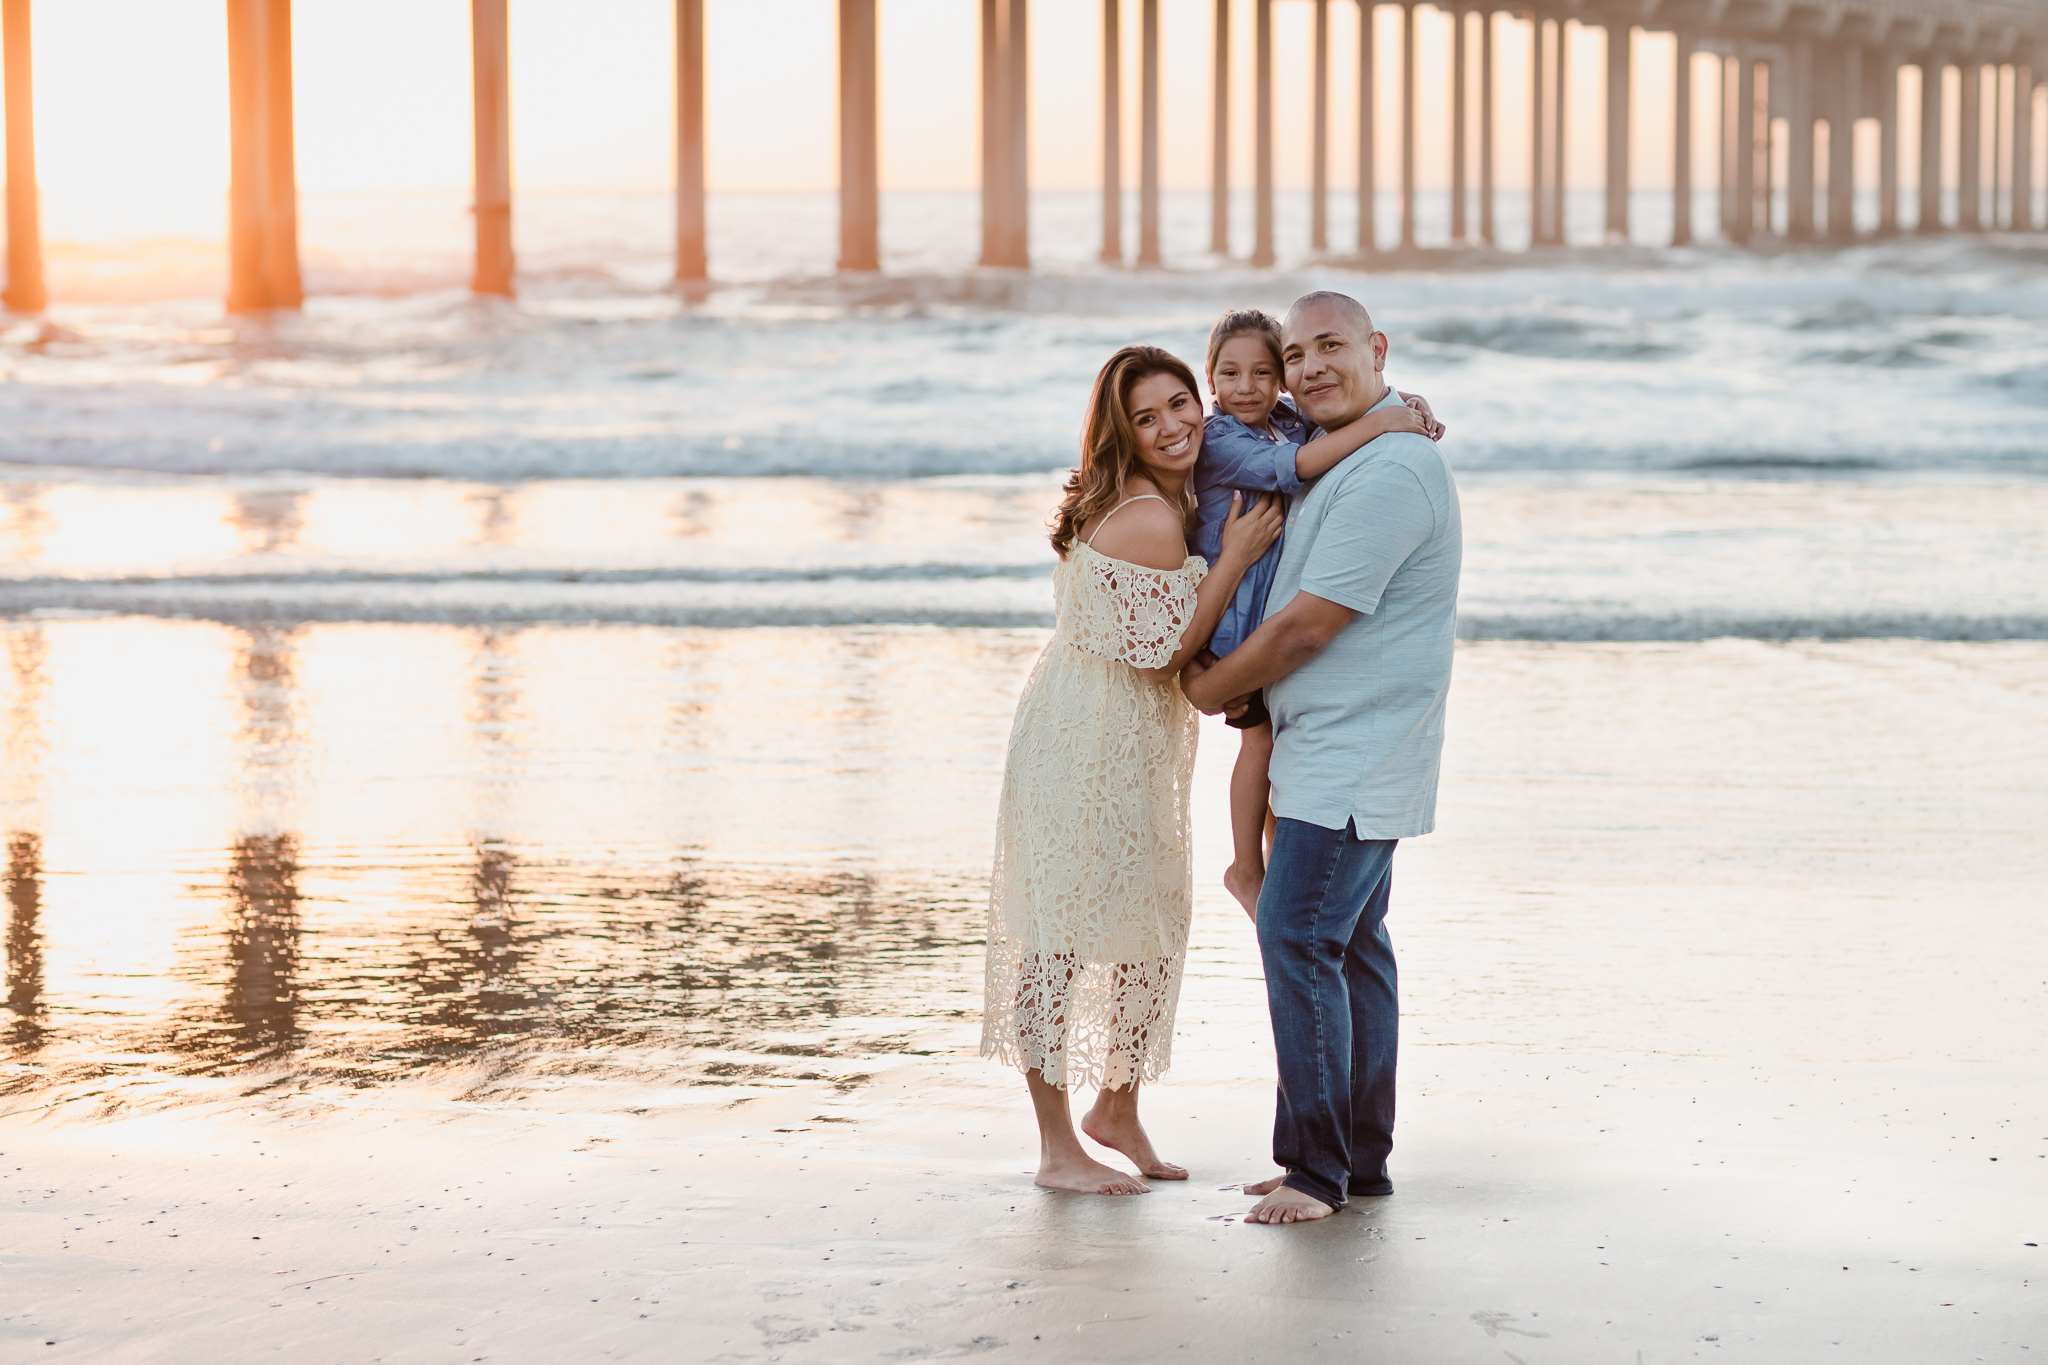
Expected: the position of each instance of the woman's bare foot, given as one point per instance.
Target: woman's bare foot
(1245, 883)
(1123, 1133)
(1265, 1187)
(1085, 1176)
(1288, 1205)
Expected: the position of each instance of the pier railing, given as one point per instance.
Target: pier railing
(1785, 68)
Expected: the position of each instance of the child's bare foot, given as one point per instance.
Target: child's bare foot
(1288, 1205)
(1123, 1133)
(1265, 1187)
(1084, 1176)
(1245, 884)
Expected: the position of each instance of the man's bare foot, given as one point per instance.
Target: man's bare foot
(1245, 883)
(1288, 1205)
(1127, 1135)
(1085, 1176)
(1265, 1187)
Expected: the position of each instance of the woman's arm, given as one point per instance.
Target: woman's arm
(1318, 457)
(1154, 539)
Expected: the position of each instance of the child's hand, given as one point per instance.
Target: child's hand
(1430, 427)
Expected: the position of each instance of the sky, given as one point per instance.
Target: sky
(131, 99)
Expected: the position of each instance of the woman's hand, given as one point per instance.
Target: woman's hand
(1429, 427)
(1250, 532)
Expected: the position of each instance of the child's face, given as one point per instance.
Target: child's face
(1246, 379)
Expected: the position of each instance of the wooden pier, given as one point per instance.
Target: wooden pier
(1799, 65)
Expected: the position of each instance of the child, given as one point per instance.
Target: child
(1253, 443)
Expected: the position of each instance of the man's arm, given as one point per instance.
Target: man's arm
(1289, 638)
(1374, 523)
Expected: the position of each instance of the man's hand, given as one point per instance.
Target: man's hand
(1191, 674)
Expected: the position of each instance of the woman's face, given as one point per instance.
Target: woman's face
(1168, 420)
(1246, 379)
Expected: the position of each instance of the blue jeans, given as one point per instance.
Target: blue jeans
(1331, 987)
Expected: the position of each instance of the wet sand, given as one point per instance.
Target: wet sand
(396, 1000)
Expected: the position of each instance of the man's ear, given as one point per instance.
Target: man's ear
(1379, 351)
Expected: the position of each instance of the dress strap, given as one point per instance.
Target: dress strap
(1090, 542)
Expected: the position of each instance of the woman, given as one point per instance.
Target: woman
(1093, 886)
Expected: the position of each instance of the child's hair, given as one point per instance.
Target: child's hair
(1242, 322)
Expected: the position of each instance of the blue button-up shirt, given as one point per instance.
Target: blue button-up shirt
(1240, 459)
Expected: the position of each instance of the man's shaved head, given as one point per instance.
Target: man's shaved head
(1333, 356)
(1350, 309)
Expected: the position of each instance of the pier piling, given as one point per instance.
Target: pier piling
(1620, 42)
(1930, 145)
(1681, 139)
(1486, 22)
(1368, 187)
(1319, 133)
(490, 54)
(1148, 134)
(25, 292)
(263, 235)
(1112, 134)
(860, 159)
(1408, 125)
(691, 259)
(1262, 132)
(1458, 207)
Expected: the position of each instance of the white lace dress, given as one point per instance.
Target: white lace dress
(1094, 878)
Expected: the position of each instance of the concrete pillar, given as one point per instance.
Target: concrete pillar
(1458, 125)
(1887, 145)
(1262, 132)
(1742, 222)
(1800, 127)
(1017, 91)
(1728, 100)
(1760, 155)
(263, 235)
(2022, 146)
(1112, 134)
(1930, 143)
(1848, 94)
(1319, 134)
(24, 292)
(1969, 163)
(1148, 134)
(1408, 123)
(2004, 126)
(1005, 175)
(860, 158)
(1538, 163)
(1486, 127)
(1681, 140)
(1368, 218)
(490, 53)
(1219, 133)
(1560, 101)
(691, 260)
(1619, 45)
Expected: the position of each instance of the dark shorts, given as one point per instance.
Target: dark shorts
(1255, 714)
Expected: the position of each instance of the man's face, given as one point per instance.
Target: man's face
(1332, 371)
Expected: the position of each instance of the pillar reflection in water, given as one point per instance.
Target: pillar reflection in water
(263, 930)
(24, 888)
(21, 808)
(263, 941)
(268, 520)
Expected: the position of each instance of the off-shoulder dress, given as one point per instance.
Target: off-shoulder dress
(1094, 881)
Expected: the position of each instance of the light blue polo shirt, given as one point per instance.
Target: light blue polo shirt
(1358, 731)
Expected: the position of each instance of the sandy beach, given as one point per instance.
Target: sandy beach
(624, 1006)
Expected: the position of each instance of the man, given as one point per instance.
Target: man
(1355, 657)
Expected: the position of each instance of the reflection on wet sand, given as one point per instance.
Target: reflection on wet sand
(263, 946)
(24, 940)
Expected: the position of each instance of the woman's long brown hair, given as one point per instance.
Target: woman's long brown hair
(1109, 443)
